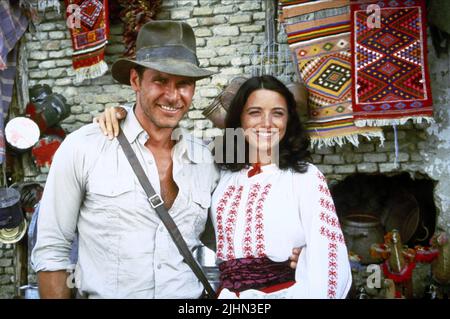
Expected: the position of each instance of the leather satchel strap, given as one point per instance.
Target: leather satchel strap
(157, 203)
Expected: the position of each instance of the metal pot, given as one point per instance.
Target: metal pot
(301, 97)
(13, 235)
(207, 260)
(13, 224)
(403, 214)
(54, 110)
(44, 150)
(21, 133)
(360, 232)
(38, 92)
(48, 112)
(29, 292)
(216, 112)
(10, 211)
(230, 91)
(30, 194)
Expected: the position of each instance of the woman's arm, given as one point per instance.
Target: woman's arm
(323, 269)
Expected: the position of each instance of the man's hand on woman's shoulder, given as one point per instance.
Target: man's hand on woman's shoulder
(109, 120)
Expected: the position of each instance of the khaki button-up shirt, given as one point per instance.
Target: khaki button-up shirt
(124, 249)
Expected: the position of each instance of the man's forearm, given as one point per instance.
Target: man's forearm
(53, 285)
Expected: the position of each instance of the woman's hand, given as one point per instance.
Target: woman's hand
(294, 257)
(109, 120)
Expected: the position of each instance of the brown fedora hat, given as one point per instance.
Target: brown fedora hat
(166, 46)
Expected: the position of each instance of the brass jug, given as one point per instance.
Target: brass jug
(441, 266)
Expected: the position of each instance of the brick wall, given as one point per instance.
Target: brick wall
(228, 32)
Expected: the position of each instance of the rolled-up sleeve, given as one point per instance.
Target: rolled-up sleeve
(59, 208)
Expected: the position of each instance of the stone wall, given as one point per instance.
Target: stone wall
(6, 271)
(228, 33)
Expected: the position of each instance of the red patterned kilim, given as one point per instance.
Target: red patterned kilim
(390, 71)
(321, 51)
(89, 33)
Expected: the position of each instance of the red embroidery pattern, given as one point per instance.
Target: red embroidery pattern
(259, 225)
(333, 233)
(226, 222)
(247, 244)
(220, 212)
(321, 177)
(231, 223)
(332, 270)
(328, 205)
(330, 220)
(324, 190)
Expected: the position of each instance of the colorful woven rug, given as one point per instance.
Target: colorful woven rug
(134, 14)
(390, 70)
(284, 3)
(13, 24)
(89, 37)
(321, 50)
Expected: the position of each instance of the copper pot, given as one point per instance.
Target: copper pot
(216, 112)
(301, 97)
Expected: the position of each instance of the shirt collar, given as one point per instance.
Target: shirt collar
(131, 126)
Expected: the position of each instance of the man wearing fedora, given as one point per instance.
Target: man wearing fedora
(124, 249)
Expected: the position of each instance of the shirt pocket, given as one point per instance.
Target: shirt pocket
(202, 198)
(111, 193)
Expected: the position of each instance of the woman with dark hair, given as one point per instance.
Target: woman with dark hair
(269, 199)
(272, 201)
(293, 147)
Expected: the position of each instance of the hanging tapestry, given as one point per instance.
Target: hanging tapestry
(321, 50)
(284, 3)
(13, 23)
(134, 15)
(89, 34)
(390, 72)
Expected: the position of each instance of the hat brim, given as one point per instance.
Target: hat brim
(120, 70)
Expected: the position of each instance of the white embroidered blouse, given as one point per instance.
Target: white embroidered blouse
(274, 211)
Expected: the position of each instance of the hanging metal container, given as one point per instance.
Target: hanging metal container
(403, 214)
(216, 112)
(13, 224)
(301, 97)
(38, 92)
(360, 232)
(21, 133)
(44, 150)
(10, 211)
(49, 112)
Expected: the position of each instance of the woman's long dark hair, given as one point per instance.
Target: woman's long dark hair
(293, 147)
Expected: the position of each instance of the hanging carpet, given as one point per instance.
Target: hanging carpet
(390, 72)
(89, 34)
(321, 51)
